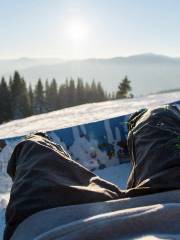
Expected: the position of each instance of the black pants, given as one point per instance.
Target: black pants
(44, 175)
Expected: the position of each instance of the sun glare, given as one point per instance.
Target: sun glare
(77, 31)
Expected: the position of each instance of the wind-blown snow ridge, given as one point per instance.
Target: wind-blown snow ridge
(83, 114)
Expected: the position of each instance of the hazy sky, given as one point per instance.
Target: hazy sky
(88, 28)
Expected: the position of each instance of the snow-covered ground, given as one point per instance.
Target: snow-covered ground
(80, 115)
(83, 114)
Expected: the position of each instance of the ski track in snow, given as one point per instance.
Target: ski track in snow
(80, 115)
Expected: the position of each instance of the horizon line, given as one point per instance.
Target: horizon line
(87, 58)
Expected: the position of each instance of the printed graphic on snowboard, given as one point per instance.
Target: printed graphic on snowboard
(95, 145)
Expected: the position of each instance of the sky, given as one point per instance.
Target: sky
(70, 29)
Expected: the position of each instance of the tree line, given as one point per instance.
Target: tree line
(19, 101)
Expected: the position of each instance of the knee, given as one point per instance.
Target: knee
(167, 114)
(22, 146)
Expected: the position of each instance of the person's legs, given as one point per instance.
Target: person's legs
(154, 146)
(44, 176)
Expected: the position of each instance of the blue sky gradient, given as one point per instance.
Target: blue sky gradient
(38, 28)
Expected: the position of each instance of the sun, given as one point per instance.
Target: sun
(77, 31)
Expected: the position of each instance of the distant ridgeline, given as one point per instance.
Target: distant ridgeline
(95, 145)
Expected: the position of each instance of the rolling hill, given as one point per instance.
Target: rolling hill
(147, 72)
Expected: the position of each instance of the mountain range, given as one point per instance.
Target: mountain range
(148, 72)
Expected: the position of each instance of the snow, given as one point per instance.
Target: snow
(116, 174)
(74, 116)
(3, 202)
(83, 114)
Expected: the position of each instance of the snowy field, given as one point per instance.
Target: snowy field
(80, 115)
(83, 114)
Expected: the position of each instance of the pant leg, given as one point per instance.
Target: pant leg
(154, 146)
(44, 176)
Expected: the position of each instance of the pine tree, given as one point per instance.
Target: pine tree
(66, 95)
(93, 91)
(19, 97)
(31, 100)
(54, 95)
(87, 91)
(25, 99)
(124, 88)
(47, 97)
(80, 93)
(51, 95)
(21, 102)
(100, 93)
(5, 106)
(39, 100)
(62, 96)
(15, 85)
(10, 82)
(72, 93)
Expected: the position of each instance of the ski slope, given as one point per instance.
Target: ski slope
(80, 115)
(83, 114)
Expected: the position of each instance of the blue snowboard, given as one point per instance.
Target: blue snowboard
(95, 145)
